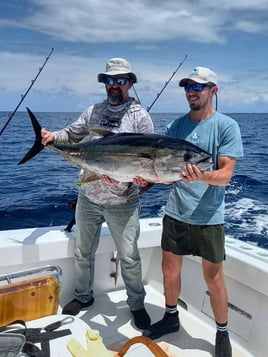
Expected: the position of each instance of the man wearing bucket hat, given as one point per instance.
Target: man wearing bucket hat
(107, 200)
(194, 215)
(117, 66)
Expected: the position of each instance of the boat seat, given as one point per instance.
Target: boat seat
(29, 294)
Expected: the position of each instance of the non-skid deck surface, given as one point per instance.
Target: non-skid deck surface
(111, 316)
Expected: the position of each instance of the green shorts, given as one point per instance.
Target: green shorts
(188, 239)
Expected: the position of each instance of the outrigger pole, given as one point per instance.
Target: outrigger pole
(10, 115)
(166, 83)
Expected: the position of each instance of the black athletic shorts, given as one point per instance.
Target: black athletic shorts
(188, 239)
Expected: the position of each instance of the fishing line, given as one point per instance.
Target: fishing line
(10, 115)
(136, 94)
(166, 83)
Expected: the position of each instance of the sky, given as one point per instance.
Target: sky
(162, 40)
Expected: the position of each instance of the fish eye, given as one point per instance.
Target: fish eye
(187, 156)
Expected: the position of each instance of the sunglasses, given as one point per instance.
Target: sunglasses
(120, 81)
(197, 87)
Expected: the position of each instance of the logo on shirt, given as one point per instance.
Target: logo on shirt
(195, 138)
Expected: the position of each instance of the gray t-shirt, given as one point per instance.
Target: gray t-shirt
(129, 117)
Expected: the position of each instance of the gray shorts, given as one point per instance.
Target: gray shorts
(188, 239)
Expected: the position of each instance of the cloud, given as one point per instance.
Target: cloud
(153, 35)
(91, 21)
(250, 27)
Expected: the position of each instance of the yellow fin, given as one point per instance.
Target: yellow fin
(89, 179)
(101, 132)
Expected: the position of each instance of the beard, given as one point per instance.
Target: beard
(195, 106)
(115, 98)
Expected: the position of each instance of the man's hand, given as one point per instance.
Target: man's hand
(138, 181)
(190, 173)
(108, 180)
(47, 137)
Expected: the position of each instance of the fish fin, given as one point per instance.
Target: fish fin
(37, 146)
(89, 179)
(104, 133)
(146, 188)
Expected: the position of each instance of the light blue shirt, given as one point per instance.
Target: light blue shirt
(197, 202)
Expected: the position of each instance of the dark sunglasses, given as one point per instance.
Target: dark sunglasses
(120, 81)
(197, 87)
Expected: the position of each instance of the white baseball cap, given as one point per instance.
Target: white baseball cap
(200, 75)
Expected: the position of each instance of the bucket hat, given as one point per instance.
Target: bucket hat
(117, 66)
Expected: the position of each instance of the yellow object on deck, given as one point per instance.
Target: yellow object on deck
(95, 346)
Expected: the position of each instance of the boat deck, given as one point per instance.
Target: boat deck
(111, 316)
(246, 273)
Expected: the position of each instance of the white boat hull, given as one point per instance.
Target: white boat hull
(246, 274)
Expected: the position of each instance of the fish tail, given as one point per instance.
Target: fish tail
(37, 146)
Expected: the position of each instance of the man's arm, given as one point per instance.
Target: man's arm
(219, 177)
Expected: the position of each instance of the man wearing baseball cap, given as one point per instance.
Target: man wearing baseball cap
(117, 203)
(194, 215)
(200, 75)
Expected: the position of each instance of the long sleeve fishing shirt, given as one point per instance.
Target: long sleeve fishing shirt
(129, 117)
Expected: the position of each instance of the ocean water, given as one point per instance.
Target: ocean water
(38, 193)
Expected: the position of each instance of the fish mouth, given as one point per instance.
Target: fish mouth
(206, 160)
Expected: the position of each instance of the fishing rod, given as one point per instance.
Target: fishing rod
(10, 115)
(166, 83)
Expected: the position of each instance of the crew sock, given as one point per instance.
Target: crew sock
(171, 309)
(222, 327)
(223, 346)
(169, 323)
